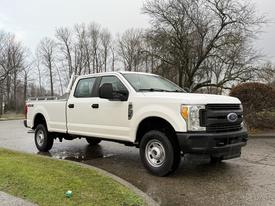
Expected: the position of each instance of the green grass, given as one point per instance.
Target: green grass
(44, 181)
(11, 116)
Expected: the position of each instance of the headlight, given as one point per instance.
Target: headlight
(191, 114)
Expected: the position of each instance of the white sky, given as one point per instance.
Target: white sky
(31, 20)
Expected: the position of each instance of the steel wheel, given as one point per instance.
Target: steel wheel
(159, 154)
(43, 139)
(155, 153)
(40, 137)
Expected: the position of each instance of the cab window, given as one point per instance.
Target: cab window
(118, 86)
(84, 88)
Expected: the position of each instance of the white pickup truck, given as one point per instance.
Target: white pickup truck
(142, 110)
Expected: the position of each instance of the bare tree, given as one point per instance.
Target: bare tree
(188, 34)
(17, 63)
(37, 67)
(79, 48)
(27, 71)
(12, 60)
(64, 37)
(130, 49)
(6, 42)
(105, 37)
(94, 35)
(46, 51)
(113, 53)
(266, 73)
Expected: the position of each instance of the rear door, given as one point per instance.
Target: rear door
(81, 116)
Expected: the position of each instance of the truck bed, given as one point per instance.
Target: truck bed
(52, 108)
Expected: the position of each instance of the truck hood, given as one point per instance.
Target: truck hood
(189, 98)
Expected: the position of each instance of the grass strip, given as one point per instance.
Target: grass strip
(44, 181)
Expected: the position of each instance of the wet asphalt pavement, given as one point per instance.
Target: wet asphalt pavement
(249, 180)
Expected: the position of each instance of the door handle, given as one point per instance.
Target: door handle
(95, 106)
(71, 106)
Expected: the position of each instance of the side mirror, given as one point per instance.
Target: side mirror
(106, 91)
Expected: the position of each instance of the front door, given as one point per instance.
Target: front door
(113, 119)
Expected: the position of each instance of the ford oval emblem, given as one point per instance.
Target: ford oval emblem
(232, 117)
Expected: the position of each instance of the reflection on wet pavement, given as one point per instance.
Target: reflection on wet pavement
(246, 181)
(79, 155)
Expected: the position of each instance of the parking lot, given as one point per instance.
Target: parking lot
(249, 180)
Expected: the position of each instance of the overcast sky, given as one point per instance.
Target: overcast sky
(31, 20)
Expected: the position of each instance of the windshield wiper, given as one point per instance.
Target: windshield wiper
(152, 90)
(159, 90)
(179, 91)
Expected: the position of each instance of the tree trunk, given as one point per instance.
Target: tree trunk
(113, 60)
(146, 64)
(40, 82)
(60, 82)
(96, 61)
(152, 64)
(105, 60)
(8, 89)
(15, 90)
(25, 86)
(180, 77)
(1, 99)
(94, 70)
(69, 60)
(51, 78)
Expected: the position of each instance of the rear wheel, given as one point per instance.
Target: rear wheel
(159, 155)
(43, 139)
(93, 141)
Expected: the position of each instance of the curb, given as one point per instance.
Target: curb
(9, 200)
(147, 199)
(262, 135)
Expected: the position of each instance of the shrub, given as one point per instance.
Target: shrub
(259, 104)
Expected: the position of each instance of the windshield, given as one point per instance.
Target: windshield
(151, 83)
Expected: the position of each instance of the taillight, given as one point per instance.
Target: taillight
(26, 110)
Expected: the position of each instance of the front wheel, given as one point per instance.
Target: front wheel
(43, 139)
(159, 154)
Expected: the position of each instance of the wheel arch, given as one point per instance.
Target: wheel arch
(39, 118)
(155, 123)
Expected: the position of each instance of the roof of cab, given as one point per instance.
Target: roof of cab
(110, 73)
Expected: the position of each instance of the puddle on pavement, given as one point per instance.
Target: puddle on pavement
(78, 155)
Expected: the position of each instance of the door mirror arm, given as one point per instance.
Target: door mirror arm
(121, 95)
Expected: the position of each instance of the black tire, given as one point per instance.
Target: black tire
(93, 141)
(216, 160)
(159, 154)
(43, 139)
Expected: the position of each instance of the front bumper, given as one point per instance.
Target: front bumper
(223, 145)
